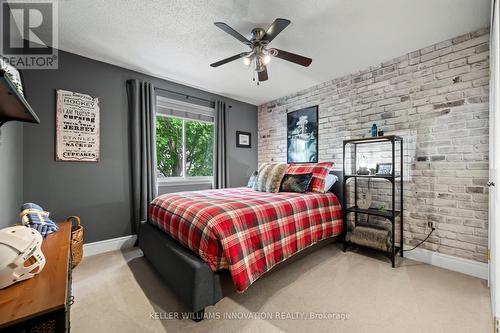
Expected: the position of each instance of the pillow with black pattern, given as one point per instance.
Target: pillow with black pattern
(296, 182)
(253, 179)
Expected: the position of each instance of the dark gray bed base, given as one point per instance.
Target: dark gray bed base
(188, 276)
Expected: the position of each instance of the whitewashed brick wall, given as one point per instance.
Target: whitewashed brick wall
(437, 99)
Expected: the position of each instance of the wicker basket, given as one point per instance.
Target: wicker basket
(76, 240)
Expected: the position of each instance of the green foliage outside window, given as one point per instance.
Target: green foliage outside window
(169, 148)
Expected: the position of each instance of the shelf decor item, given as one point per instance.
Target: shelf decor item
(383, 169)
(302, 135)
(362, 234)
(366, 198)
(363, 169)
(374, 130)
(379, 239)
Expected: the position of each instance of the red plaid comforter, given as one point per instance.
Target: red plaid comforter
(244, 230)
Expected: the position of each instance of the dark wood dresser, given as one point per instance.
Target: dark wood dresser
(41, 304)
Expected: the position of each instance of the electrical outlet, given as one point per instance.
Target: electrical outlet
(430, 224)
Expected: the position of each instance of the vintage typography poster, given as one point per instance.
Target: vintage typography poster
(77, 127)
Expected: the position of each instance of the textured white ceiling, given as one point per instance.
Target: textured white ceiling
(177, 40)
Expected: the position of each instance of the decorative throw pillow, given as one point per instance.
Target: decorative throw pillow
(253, 179)
(330, 180)
(269, 177)
(296, 183)
(319, 172)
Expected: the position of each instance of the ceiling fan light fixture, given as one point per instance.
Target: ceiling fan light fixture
(260, 55)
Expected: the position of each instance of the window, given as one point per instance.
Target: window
(184, 142)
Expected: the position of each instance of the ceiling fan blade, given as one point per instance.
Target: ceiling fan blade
(232, 32)
(233, 58)
(263, 75)
(278, 26)
(292, 57)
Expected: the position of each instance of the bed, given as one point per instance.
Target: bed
(193, 236)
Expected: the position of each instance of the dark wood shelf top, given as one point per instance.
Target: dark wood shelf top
(44, 292)
(373, 211)
(13, 105)
(375, 139)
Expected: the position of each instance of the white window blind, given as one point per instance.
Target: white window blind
(179, 109)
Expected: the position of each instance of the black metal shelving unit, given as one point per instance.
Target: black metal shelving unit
(391, 214)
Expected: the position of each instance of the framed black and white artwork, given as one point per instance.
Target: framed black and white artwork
(243, 139)
(302, 135)
(384, 169)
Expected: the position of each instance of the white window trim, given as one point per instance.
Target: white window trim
(176, 181)
(167, 103)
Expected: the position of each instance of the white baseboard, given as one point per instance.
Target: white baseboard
(465, 266)
(461, 265)
(108, 245)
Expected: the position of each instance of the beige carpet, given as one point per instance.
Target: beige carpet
(120, 291)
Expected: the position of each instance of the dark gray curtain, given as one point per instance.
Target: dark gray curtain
(220, 158)
(141, 101)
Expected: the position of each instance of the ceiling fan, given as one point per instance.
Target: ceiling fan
(259, 52)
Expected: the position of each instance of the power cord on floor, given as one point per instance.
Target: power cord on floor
(429, 235)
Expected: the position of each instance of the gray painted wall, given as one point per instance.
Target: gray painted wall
(11, 172)
(100, 192)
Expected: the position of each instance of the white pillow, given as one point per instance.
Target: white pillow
(330, 180)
